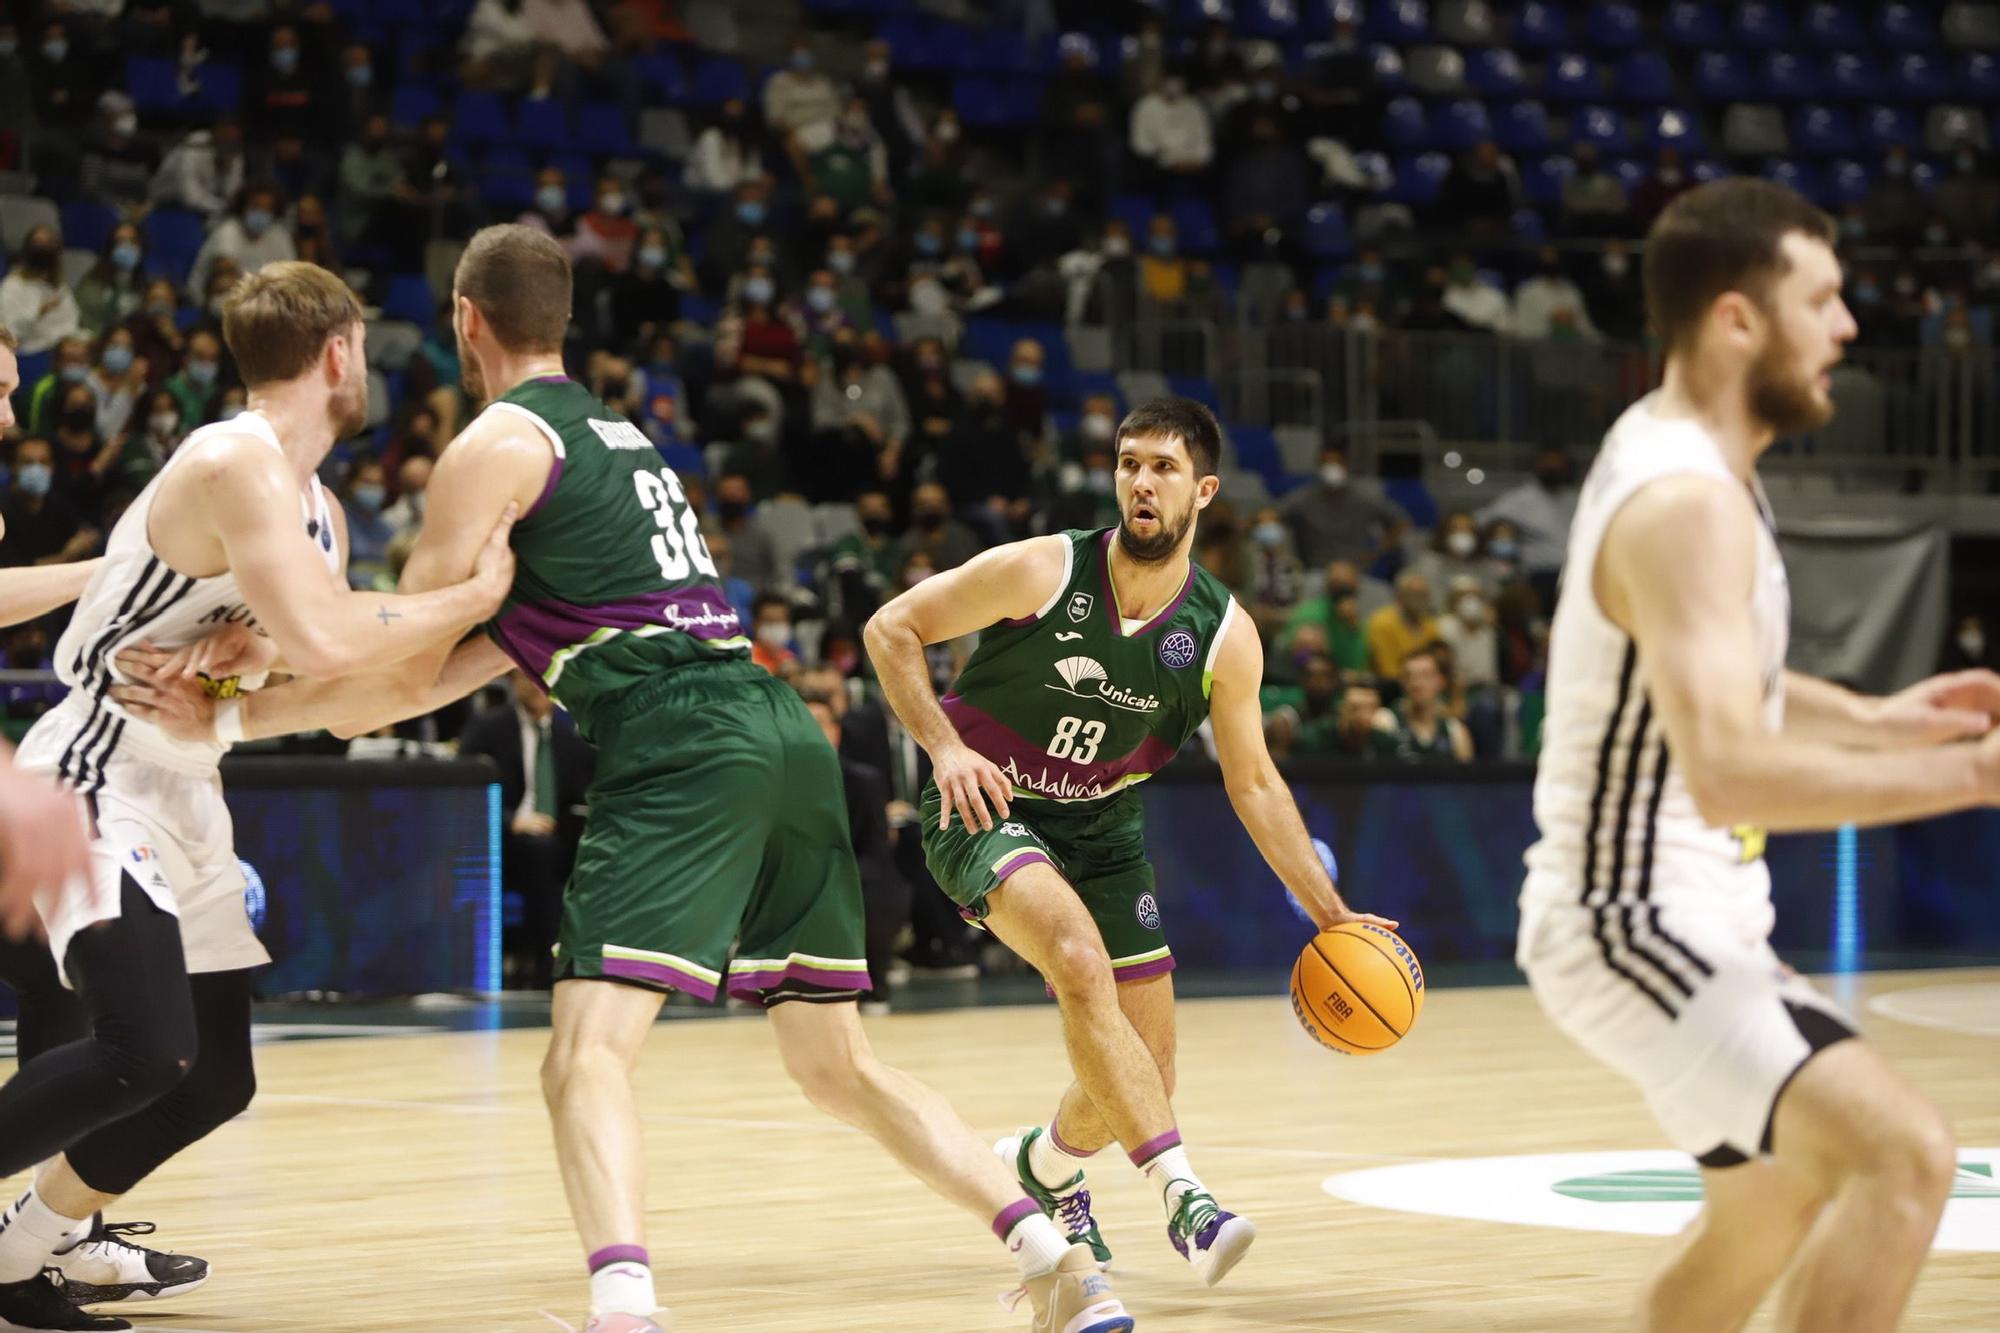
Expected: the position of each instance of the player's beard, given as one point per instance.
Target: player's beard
(349, 409)
(469, 377)
(1783, 398)
(1162, 544)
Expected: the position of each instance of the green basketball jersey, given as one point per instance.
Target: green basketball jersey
(1072, 707)
(613, 583)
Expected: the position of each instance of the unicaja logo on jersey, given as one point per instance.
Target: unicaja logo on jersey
(1177, 650)
(1086, 678)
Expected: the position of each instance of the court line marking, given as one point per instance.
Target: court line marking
(1906, 1006)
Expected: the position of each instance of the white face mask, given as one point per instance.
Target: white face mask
(1461, 544)
(774, 634)
(1471, 610)
(1333, 474)
(1097, 426)
(1972, 643)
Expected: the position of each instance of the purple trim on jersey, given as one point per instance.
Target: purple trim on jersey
(619, 1254)
(557, 378)
(1020, 860)
(548, 491)
(1060, 778)
(745, 985)
(1111, 597)
(1013, 1215)
(658, 974)
(534, 632)
(1130, 972)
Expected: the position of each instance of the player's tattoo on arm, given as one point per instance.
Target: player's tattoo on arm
(385, 615)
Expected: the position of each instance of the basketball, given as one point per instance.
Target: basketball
(1357, 988)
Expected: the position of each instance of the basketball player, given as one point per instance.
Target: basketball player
(1675, 739)
(716, 815)
(1100, 654)
(155, 939)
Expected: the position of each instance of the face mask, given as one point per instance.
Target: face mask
(929, 519)
(1333, 475)
(1097, 426)
(774, 634)
(841, 262)
(1502, 548)
(118, 359)
(1471, 610)
(257, 221)
(1461, 544)
(164, 423)
(231, 412)
(1971, 642)
(750, 212)
(202, 372)
(757, 291)
(1163, 246)
(125, 256)
(285, 59)
(802, 61)
(928, 243)
(1371, 274)
(360, 76)
(78, 420)
(1027, 375)
(1098, 482)
(1116, 247)
(368, 497)
(821, 299)
(612, 205)
(73, 374)
(34, 478)
(947, 131)
(125, 125)
(652, 256)
(1270, 533)
(551, 198)
(876, 70)
(54, 51)
(1615, 265)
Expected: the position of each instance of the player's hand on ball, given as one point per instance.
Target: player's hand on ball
(1345, 915)
(1956, 706)
(43, 846)
(156, 692)
(493, 571)
(966, 780)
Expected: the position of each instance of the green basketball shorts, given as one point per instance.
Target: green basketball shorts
(1101, 852)
(717, 818)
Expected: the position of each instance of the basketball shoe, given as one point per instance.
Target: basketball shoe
(1074, 1297)
(37, 1305)
(105, 1266)
(1068, 1203)
(1211, 1240)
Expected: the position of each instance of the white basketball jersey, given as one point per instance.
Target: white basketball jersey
(136, 596)
(1618, 828)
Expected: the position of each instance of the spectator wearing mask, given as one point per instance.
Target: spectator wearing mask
(1549, 303)
(943, 541)
(1027, 396)
(283, 99)
(771, 633)
(892, 111)
(1276, 574)
(862, 422)
(1336, 614)
(1078, 135)
(606, 236)
(1335, 519)
(118, 381)
(155, 328)
(799, 99)
(204, 171)
(545, 773)
(827, 322)
(731, 234)
(851, 167)
(1418, 729)
(646, 300)
(197, 385)
(938, 183)
(499, 45)
(1403, 626)
(870, 557)
(736, 590)
(1477, 303)
(356, 96)
(1267, 195)
(1164, 273)
(42, 527)
(34, 303)
(1615, 293)
(252, 236)
(153, 440)
(1541, 511)
(984, 466)
(759, 337)
(313, 233)
(1456, 551)
(1369, 280)
(726, 156)
(406, 516)
(115, 287)
(1084, 493)
(1968, 200)
(754, 554)
(1469, 630)
(1668, 182)
(64, 84)
(1480, 194)
(364, 498)
(71, 365)
(371, 172)
(1170, 134)
(1894, 209)
(885, 894)
(1593, 200)
(117, 167)
(1096, 426)
(82, 458)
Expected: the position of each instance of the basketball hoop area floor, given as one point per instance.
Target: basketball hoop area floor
(403, 1179)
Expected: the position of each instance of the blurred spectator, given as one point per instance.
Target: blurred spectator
(204, 171)
(406, 516)
(70, 365)
(499, 45)
(1027, 396)
(118, 381)
(34, 303)
(1668, 182)
(114, 289)
(938, 183)
(1894, 209)
(312, 233)
(892, 111)
(726, 156)
(356, 95)
(1145, 63)
(771, 631)
(942, 541)
(65, 82)
(1616, 293)
(1170, 133)
(1969, 199)
(1475, 301)
(83, 458)
(1403, 626)
(729, 236)
(1966, 649)
(885, 895)
(1337, 520)
(364, 496)
(1308, 721)
(862, 421)
(156, 333)
(197, 386)
(371, 169)
(984, 467)
(646, 300)
(545, 772)
(798, 99)
(1593, 200)
(154, 438)
(754, 555)
(1267, 193)
(1418, 729)
(548, 209)
(606, 235)
(17, 99)
(1456, 552)
(251, 235)
(1276, 574)
(861, 566)
(42, 526)
(1369, 279)
(1354, 734)
(1467, 627)
(1164, 272)
(282, 99)
(117, 166)
(1341, 80)
(1550, 304)
(1541, 510)
(1481, 194)
(852, 165)
(1077, 137)
(1336, 616)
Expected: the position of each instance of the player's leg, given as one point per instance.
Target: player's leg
(1753, 1217)
(1882, 1154)
(1079, 1129)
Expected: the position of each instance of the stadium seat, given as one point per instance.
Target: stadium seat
(1704, 170)
(664, 130)
(1544, 179)
(1691, 24)
(1613, 26)
(1268, 20)
(1761, 26)
(1572, 78)
(1528, 226)
(507, 180)
(412, 103)
(1949, 128)
(1847, 182)
(1418, 179)
(1327, 236)
(1905, 26)
(542, 123)
(1832, 27)
(1979, 77)
(602, 128)
(1601, 126)
(1496, 71)
(1467, 23)
(1799, 176)
(1919, 77)
(1883, 127)
(1853, 76)
(1754, 129)
(1522, 127)
(218, 88)
(88, 225)
(173, 238)
(1675, 126)
(718, 79)
(1539, 26)
(1399, 21)
(1822, 131)
(1628, 173)
(1436, 70)
(153, 83)
(1643, 76)
(1386, 62)
(1972, 26)
(663, 74)
(21, 214)
(1924, 175)
(1463, 124)
(409, 297)
(1788, 77)
(981, 103)
(1722, 76)
(1404, 124)
(480, 118)
(1196, 226)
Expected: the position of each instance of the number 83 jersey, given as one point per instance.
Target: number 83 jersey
(613, 583)
(1075, 703)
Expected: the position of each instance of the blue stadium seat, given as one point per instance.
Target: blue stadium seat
(1522, 127)
(1399, 21)
(1404, 124)
(1463, 124)
(1833, 27)
(1572, 77)
(581, 174)
(1643, 76)
(1906, 26)
(1885, 126)
(173, 238)
(480, 118)
(1762, 26)
(409, 297)
(1923, 175)
(1197, 387)
(153, 83)
(1418, 179)
(1629, 173)
(413, 102)
(87, 225)
(1539, 26)
(542, 123)
(1853, 76)
(1979, 77)
(1601, 126)
(1799, 176)
(1847, 182)
(219, 89)
(1672, 125)
(1722, 76)
(1823, 131)
(1789, 77)
(1271, 20)
(980, 102)
(1194, 222)
(1919, 77)
(1704, 170)
(1544, 179)
(1692, 24)
(507, 180)
(663, 74)
(716, 80)
(1613, 26)
(1528, 226)
(1495, 71)
(1257, 451)
(602, 127)
(1091, 383)
(1326, 235)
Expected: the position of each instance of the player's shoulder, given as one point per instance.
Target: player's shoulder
(244, 457)
(1049, 555)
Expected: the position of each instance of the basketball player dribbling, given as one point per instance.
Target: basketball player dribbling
(716, 817)
(154, 938)
(1675, 739)
(1100, 654)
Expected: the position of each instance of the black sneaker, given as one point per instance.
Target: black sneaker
(105, 1266)
(38, 1305)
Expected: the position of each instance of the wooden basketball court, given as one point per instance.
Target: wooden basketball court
(406, 1182)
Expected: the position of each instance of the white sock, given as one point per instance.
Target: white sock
(1052, 1164)
(1037, 1245)
(30, 1232)
(1175, 1177)
(622, 1283)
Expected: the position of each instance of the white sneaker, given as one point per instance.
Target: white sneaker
(1211, 1240)
(105, 1266)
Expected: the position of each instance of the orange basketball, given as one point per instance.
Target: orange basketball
(1357, 988)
